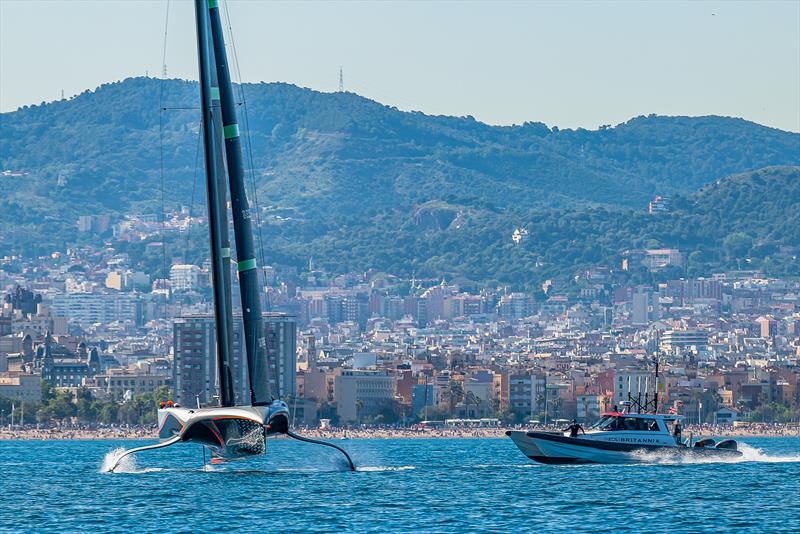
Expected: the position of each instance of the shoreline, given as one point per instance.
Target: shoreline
(338, 434)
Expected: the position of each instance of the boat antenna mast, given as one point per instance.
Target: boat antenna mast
(655, 389)
(648, 404)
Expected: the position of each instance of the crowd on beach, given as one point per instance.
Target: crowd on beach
(39, 432)
(78, 432)
(751, 429)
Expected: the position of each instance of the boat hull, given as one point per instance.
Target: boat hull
(229, 433)
(549, 448)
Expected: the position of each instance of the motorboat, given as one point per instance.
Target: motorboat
(619, 437)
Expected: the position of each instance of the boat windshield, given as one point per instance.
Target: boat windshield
(600, 423)
(613, 422)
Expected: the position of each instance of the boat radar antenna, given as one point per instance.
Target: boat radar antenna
(655, 388)
(646, 404)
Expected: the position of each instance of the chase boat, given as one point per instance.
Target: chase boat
(619, 438)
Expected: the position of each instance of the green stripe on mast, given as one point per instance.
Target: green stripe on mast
(230, 131)
(246, 265)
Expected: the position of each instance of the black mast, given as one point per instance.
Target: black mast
(216, 212)
(222, 188)
(257, 366)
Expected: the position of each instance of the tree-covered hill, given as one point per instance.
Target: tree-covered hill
(402, 190)
(749, 221)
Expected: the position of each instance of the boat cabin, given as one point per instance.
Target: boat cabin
(634, 422)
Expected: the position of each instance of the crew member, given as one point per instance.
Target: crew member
(573, 429)
(676, 432)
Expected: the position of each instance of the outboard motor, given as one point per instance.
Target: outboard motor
(708, 442)
(729, 444)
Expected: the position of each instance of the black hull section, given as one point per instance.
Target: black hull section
(227, 438)
(278, 425)
(557, 461)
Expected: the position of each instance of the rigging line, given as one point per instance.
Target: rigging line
(247, 136)
(161, 152)
(191, 202)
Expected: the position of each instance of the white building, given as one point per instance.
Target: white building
(639, 312)
(20, 386)
(526, 393)
(89, 308)
(184, 277)
(362, 393)
(681, 339)
(656, 259)
(589, 407)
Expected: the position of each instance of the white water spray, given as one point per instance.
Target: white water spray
(126, 465)
(749, 454)
(753, 454)
(380, 468)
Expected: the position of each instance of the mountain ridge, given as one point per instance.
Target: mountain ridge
(338, 161)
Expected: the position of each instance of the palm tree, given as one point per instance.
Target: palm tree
(359, 405)
(697, 397)
(558, 403)
(453, 393)
(471, 397)
(539, 404)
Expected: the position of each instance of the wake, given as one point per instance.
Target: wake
(126, 465)
(750, 454)
(382, 468)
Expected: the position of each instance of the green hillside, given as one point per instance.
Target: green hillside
(748, 221)
(360, 185)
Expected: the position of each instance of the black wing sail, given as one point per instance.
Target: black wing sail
(217, 219)
(261, 388)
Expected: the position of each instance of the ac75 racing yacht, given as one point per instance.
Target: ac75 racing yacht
(230, 431)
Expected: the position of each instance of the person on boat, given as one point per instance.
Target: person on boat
(573, 429)
(676, 432)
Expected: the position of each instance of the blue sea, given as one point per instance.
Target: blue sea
(402, 485)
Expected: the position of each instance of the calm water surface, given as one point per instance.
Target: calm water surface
(436, 485)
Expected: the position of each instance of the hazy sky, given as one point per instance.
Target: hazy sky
(567, 64)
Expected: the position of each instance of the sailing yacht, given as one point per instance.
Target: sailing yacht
(229, 431)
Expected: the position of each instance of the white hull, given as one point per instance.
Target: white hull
(230, 433)
(558, 449)
(545, 451)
